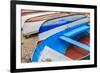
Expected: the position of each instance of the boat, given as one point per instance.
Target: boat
(32, 22)
(66, 40)
(46, 22)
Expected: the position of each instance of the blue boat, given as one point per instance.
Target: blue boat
(60, 41)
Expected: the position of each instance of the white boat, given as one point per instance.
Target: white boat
(31, 23)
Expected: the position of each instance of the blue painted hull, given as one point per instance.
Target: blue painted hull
(59, 45)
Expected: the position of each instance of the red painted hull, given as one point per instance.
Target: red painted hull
(77, 53)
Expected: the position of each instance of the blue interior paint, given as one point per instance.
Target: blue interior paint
(77, 31)
(88, 31)
(54, 42)
(69, 40)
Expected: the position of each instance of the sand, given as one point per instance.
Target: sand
(27, 47)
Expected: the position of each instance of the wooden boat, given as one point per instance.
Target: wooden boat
(27, 15)
(39, 26)
(61, 40)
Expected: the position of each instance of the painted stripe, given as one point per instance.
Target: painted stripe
(51, 32)
(77, 31)
(85, 47)
(53, 23)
